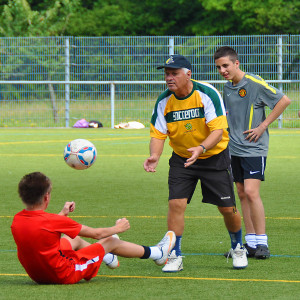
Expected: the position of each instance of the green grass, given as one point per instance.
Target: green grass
(118, 186)
(134, 106)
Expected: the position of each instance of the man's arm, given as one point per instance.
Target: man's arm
(212, 140)
(100, 233)
(255, 133)
(156, 149)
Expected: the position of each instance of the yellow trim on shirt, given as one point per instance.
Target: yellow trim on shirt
(262, 82)
(251, 116)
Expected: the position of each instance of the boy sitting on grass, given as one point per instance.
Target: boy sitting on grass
(48, 257)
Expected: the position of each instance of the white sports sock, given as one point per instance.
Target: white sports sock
(155, 253)
(262, 239)
(108, 258)
(250, 239)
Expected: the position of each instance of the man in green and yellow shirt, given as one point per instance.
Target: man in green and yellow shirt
(192, 115)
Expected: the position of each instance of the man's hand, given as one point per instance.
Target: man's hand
(150, 164)
(122, 225)
(196, 152)
(254, 134)
(156, 149)
(68, 207)
(211, 141)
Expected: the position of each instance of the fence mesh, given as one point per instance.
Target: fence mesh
(84, 59)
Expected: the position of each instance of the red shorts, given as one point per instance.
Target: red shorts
(87, 260)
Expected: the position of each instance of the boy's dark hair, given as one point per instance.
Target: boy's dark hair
(33, 187)
(226, 51)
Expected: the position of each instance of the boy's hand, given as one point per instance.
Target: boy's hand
(68, 207)
(122, 225)
(254, 134)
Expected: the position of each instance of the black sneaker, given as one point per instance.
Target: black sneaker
(262, 252)
(250, 251)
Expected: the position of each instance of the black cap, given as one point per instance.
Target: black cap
(176, 61)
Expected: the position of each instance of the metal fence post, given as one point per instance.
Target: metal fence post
(171, 46)
(112, 104)
(67, 79)
(280, 73)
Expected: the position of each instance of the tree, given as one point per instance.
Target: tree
(103, 18)
(250, 17)
(18, 19)
(148, 17)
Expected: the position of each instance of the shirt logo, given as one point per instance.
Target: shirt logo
(254, 172)
(242, 93)
(188, 126)
(186, 114)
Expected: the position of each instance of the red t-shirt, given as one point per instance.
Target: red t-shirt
(37, 235)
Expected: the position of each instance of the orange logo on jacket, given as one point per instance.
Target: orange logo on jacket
(242, 93)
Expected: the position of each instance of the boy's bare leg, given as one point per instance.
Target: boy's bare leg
(77, 243)
(110, 245)
(121, 248)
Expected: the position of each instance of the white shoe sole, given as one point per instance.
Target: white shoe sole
(173, 271)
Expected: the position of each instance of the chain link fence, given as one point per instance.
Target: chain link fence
(54, 81)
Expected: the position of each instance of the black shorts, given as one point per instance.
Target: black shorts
(214, 174)
(248, 168)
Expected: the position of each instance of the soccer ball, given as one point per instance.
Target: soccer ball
(80, 154)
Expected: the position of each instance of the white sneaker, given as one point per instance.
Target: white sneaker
(239, 257)
(166, 245)
(113, 262)
(174, 263)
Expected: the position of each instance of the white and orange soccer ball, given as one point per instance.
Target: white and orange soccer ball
(80, 154)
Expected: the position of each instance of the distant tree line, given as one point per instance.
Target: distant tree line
(148, 17)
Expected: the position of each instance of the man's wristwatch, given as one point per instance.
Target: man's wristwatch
(204, 149)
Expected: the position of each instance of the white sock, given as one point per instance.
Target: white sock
(155, 253)
(262, 239)
(250, 239)
(108, 258)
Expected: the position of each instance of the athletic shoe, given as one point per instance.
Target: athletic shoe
(114, 262)
(166, 245)
(262, 252)
(239, 257)
(250, 251)
(174, 263)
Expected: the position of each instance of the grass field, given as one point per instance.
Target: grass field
(117, 186)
